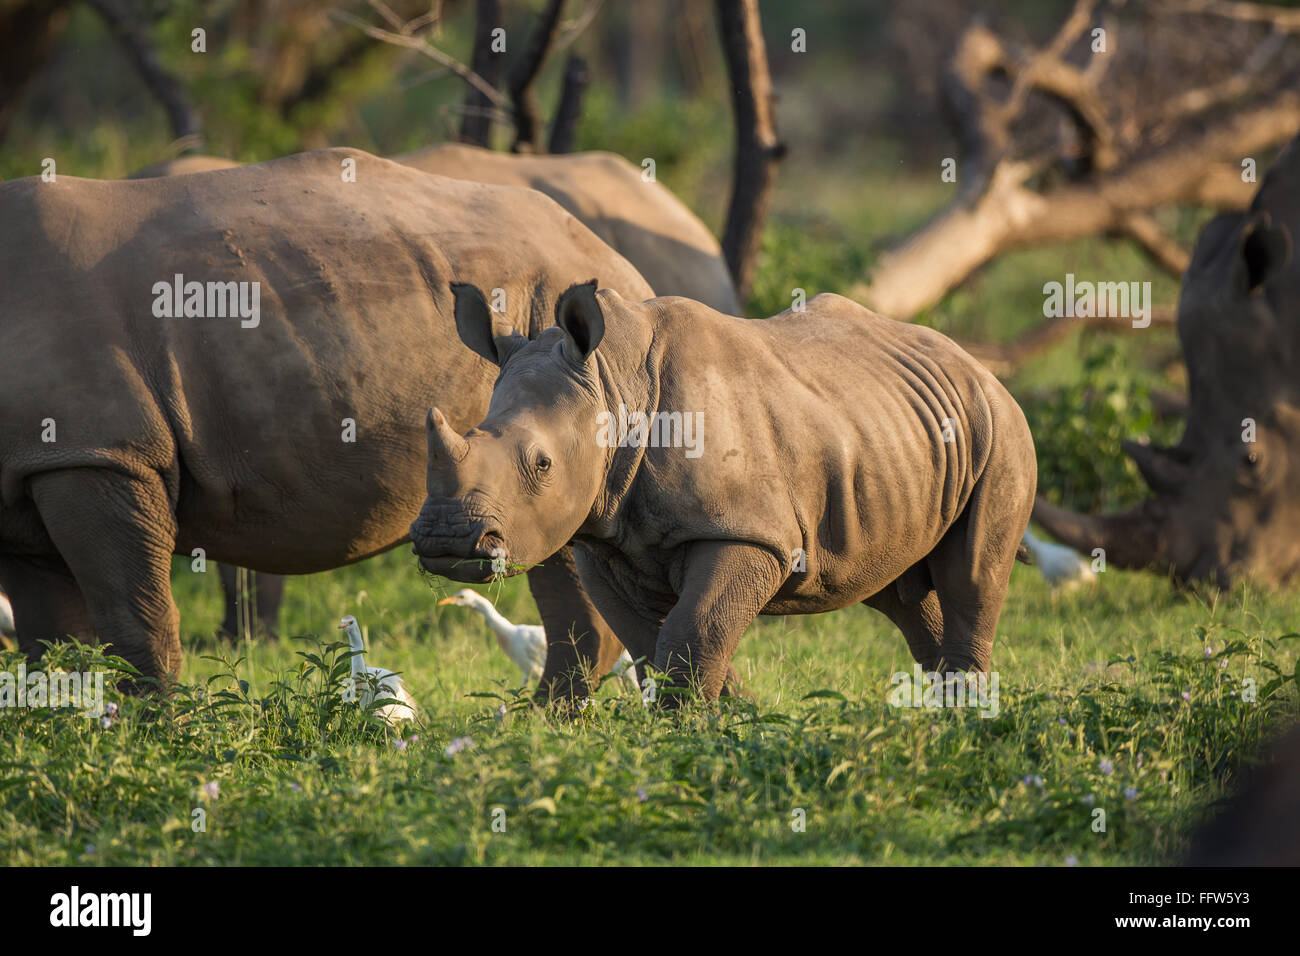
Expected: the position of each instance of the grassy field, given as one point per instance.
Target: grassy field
(1126, 699)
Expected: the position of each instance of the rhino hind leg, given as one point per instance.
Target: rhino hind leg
(47, 602)
(918, 615)
(971, 568)
(116, 534)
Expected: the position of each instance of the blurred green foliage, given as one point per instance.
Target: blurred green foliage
(1078, 428)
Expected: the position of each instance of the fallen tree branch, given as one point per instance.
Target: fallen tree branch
(1009, 215)
(1003, 358)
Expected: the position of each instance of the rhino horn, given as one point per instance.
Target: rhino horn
(445, 446)
(1133, 539)
(1165, 470)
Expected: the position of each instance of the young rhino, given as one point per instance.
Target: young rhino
(794, 465)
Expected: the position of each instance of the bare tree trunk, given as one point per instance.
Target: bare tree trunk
(758, 149)
(30, 32)
(528, 121)
(565, 125)
(166, 88)
(476, 125)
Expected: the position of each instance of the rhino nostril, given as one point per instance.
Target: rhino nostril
(491, 544)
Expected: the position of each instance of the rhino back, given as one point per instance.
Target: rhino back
(247, 424)
(824, 430)
(646, 223)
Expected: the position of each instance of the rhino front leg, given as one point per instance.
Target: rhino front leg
(580, 647)
(725, 586)
(116, 534)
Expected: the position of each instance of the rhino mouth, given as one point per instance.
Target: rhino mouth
(460, 545)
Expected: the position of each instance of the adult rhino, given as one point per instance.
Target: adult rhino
(129, 436)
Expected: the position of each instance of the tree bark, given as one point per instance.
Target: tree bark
(564, 127)
(476, 125)
(758, 148)
(528, 121)
(165, 87)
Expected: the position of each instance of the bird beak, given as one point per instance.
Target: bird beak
(450, 600)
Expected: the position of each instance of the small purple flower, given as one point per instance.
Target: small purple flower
(501, 712)
(584, 704)
(90, 848)
(1106, 766)
(212, 789)
(1038, 782)
(641, 794)
(1187, 695)
(1061, 721)
(1071, 861)
(1089, 800)
(459, 744)
(1223, 664)
(111, 708)
(106, 722)
(414, 738)
(1027, 780)
(1130, 794)
(399, 743)
(295, 786)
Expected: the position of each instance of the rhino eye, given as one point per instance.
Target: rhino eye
(543, 464)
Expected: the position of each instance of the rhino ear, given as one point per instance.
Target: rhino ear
(488, 333)
(578, 313)
(1265, 251)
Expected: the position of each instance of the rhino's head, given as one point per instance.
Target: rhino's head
(514, 490)
(1227, 496)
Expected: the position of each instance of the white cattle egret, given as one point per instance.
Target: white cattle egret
(6, 615)
(525, 644)
(1063, 567)
(376, 683)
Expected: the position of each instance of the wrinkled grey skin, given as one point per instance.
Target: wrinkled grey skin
(183, 433)
(822, 431)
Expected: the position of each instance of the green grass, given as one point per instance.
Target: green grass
(304, 778)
